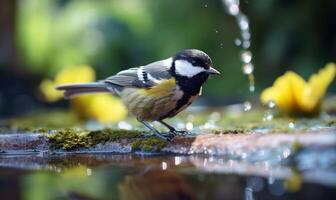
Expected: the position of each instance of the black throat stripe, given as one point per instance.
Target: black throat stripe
(180, 103)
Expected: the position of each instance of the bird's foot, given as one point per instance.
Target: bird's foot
(179, 133)
(168, 135)
(164, 136)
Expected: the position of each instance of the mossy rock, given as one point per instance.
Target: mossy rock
(71, 139)
(151, 144)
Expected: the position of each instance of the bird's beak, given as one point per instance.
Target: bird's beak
(212, 71)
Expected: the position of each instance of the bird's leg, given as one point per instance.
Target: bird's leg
(173, 130)
(155, 132)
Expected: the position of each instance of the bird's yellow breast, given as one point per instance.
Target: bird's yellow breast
(151, 104)
(161, 89)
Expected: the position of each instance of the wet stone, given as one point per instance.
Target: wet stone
(240, 145)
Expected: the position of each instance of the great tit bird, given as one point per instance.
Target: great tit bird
(155, 91)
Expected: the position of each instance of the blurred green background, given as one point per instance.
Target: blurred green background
(40, 37)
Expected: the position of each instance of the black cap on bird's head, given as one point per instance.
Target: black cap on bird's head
(191, 62)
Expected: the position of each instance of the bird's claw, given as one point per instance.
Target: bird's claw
(165, 136)
(179, 133)
(168, 135)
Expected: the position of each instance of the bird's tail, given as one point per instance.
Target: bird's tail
(73, 90)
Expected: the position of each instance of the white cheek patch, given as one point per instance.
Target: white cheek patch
(184, 68)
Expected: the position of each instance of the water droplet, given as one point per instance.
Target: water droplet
(189, 126)
(247, 106)
(248, 68)
(246, 44)
(233, 9)
(271, 104)
(246, 56)
(291, 125)
(237, 42)
(251, 88)
(243, 22)
(88, 172)
(246, 35)
(178, 160)
(286, 153)
(205, 151)
(221, 45)
(205, 5)
(164, 165)
(216, 31)
(268, 116)
(124, 125)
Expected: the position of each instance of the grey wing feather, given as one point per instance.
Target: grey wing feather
(125, 78)
(147, 77)
(159, 69)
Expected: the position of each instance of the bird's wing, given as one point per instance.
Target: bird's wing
(142, 77)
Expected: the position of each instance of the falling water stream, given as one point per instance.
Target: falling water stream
(244, 40)
(246, 57)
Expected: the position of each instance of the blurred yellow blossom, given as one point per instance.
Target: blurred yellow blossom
(75, 74)
(293, 183)
(47, 87)
(295, 96)
(71, 74)
(104, 108)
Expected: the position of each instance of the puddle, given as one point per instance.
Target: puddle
(109, 176)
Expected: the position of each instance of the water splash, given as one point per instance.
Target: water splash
(291, 125)
(232, 7)
(271, 104)
(269, 113)
(247, 106)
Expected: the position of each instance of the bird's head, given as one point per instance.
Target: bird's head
(192, 62)
(191, 68)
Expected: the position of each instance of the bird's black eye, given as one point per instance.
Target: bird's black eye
(193, 62)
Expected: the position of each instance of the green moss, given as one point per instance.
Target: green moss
(112, 135)
(151, 144)
(70, 139)
(230, 131)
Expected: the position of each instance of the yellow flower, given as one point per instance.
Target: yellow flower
(75, 74)
(104, 108)
(71, 74)
(293, 183)
(47, 87)
(295, 96)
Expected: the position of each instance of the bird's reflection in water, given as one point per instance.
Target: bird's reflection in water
(155, 183)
